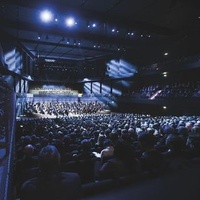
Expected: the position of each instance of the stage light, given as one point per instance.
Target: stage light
(46, 16)
(70, 21)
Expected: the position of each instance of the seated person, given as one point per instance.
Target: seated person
(51, 183)
(107, 152)
(26, 166)
(151, 159)
(122, 163)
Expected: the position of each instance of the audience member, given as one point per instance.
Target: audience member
(51, 183)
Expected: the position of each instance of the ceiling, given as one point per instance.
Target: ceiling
(144, 29)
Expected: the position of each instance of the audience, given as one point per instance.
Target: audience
(126, 143)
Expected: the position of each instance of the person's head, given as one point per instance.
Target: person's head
(174, 142)
(122, 151)
(28, 150)
(85, 145)
(49, 159)
(146, 141)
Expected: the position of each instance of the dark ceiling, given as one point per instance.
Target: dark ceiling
(144, 29)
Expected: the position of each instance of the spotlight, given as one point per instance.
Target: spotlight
(46, 16)
(70, 21)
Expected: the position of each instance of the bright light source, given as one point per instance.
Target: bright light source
(166, 54)
(70, 21)
(46, 16)
(164, 107)
(165, 74)
(113, 30)
(93, 25)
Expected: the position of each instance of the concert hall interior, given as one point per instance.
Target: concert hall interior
(99, 99)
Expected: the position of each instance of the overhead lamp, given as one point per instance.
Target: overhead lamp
(46, 16)
(70, 21)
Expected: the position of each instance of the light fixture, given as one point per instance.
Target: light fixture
(165, 74)
(166, 54)
(46, 16)
(70, 21)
